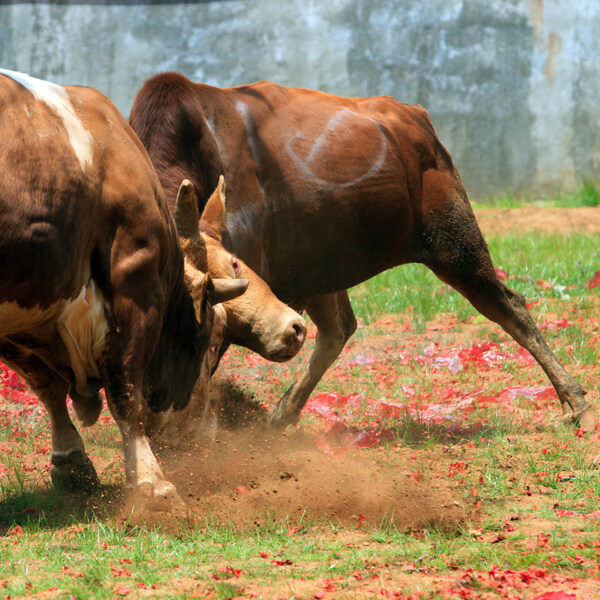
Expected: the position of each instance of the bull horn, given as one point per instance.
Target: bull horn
(215, 211)
(228, 289)
(186, 211)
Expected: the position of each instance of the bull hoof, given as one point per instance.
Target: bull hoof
(279, 418)
(73, 471)
(159, 497)
(586, 418)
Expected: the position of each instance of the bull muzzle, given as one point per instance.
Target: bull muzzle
(291, 340)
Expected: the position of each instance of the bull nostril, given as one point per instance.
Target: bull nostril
(299, 330)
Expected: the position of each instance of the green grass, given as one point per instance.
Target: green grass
(562, 261)
(586, 194)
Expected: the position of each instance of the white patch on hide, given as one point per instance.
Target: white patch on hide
(58, 100)
(83, 327)
(80, 322)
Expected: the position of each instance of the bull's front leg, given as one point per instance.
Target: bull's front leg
(335, 321)
(149, 488)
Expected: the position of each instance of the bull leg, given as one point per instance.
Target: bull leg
(335, 321)
(71, 467)
(142, 471)
(136, 330)
(462, 260)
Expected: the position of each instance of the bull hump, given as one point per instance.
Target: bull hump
(56, 97)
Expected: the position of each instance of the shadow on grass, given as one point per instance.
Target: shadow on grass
(237, 408)
(49, 507)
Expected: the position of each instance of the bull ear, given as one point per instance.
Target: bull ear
(186, 211)
(201, 287)
(215, 212)
(228, 289)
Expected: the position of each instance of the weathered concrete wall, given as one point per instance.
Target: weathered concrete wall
(512, 85)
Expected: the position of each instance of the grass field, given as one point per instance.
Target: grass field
(431, 462)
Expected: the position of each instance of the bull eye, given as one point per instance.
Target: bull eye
(235, 265)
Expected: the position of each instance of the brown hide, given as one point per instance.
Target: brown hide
(309, 174)
(325, 192)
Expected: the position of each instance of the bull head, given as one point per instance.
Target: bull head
(186, 215)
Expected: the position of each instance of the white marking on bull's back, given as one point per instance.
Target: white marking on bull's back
(250, 128)
(320, 145)
(57, 99)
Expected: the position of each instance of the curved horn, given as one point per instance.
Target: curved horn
(186, 211)
(228, 289)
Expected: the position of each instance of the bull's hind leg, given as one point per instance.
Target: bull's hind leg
(71, 467)
(457, 254)
(335, 321)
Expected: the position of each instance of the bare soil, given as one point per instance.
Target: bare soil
(252, 478)
(544, 220)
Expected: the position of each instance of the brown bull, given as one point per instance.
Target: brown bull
(326, 192)
(93, 292)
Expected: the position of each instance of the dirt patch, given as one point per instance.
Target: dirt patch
(254, 478)
(544, 220)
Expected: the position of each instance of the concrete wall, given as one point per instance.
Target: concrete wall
(511, 85)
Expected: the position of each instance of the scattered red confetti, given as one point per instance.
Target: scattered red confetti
(594, 281)
(544, 284)
(68, 571)
(556, 324)
(448, 406)
(230, 571)
(122, 590)
(501, 274)
(573, 513)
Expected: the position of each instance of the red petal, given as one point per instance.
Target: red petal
(594, 281)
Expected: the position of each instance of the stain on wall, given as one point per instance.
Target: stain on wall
(512, 86)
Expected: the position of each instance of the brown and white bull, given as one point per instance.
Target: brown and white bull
(92, 289)
(326, 192)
